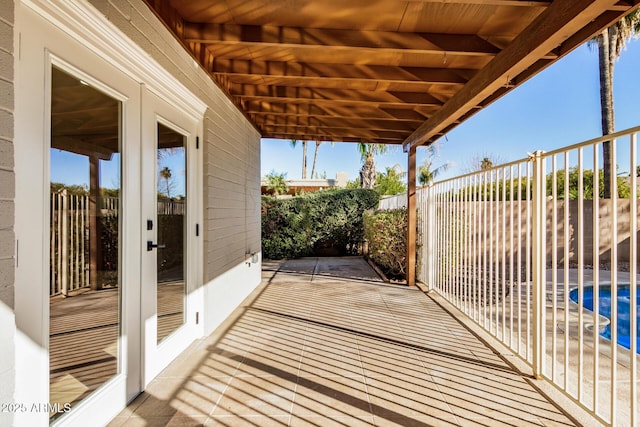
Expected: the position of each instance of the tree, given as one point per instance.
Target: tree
(368, 169)
(390, 183)
(78, 190)
(610, 44)
(314, 174)
(622, 184)
(482, 162)
(486, 164)
(165, 182)
(426, 172)
(315, 157)
(293, 144)
(276, 183)
(351, 185)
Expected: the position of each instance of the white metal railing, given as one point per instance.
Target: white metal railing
(529, 251)
(393, 202)
(69, 237)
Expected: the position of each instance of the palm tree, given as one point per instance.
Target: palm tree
(482, 162)
(276, 183)
(368, 169)
(315, 157)
(165, 174)
(486, 164)
(293, 144)
(610, 44)
(426, 174)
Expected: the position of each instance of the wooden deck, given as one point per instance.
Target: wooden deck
(83, 338)
(83, 344)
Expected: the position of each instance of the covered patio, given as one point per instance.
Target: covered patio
(325, 342)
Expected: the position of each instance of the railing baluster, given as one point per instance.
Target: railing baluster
(596, 275)
(528, 261)
(580, 238)
(538, 250)
(512, 280)
(566, 270)
(614, 282)
(504, 255)
(633, 282)
(554, 264)
(519, 269)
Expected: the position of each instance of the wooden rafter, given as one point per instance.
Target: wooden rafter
(304, 95)
(258, 108)
(317, 130)
(524, 3)
(243, 71)
(316, 38)
(333, 137)
(335, 122)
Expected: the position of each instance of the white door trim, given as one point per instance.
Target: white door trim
(89, 27)
(39, 49)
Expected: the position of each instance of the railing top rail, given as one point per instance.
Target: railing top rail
(597, 140)
(484, 171)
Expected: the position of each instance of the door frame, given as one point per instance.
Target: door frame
(39, 51)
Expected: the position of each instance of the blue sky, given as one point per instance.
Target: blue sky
(558, 107)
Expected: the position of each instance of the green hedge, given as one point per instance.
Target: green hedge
(386, 235)
(322, 223)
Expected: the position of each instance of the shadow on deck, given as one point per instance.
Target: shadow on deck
(324, 342)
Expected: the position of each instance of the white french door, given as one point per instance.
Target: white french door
(170, 298)
(78, 230)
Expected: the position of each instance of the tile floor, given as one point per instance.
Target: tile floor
(323, 342)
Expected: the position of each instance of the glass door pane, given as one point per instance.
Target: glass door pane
(84, 288)
(171, 204)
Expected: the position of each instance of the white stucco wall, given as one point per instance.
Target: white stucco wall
(7, 217)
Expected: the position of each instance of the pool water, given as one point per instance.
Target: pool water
(604, 309)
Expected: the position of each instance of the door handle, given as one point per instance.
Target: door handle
(151, 245)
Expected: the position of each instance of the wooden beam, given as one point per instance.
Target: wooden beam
(336, 122)
(364, 134)
(322, 39)
(282, 107)
(353, 132)
(553, 26)
(511, 3)
(330, 102)
(330, 138)
(312, 95)
(278, 72)
(411, 217)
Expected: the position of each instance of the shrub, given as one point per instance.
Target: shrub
(386, 234)
(321, 223)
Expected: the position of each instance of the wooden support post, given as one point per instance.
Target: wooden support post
(411, 218)
(94, 223)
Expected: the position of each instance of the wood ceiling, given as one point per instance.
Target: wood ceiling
(378, 71)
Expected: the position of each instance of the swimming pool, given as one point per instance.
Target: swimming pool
(604, 309)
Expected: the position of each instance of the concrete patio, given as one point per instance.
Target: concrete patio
(324, 342)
